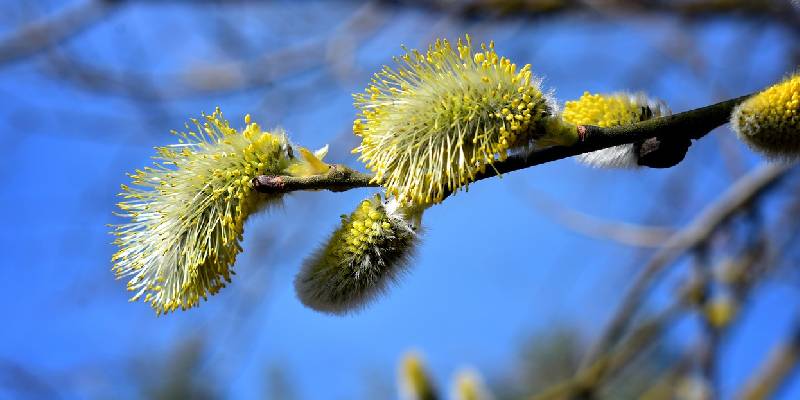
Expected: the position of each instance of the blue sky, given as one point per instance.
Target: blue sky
(492, 270)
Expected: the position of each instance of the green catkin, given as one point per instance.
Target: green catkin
(369, 250)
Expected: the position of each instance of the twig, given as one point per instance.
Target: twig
(618, 231)
(587, 379)
(709, 352)
(223, 77)
(41, 35)
(664, 387)
(338, 179)
(692, 124)
(776, 369)
(687, 9)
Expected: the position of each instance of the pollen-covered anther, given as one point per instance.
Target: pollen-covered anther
(186, 213)
(369, 250)
(769, 122)
(449, 112)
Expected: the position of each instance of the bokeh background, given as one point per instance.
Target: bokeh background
(519, 278)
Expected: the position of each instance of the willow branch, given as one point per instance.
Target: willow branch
(743, 193)
(693, 124)
(338, 179)
(587, 380)
(486, 9)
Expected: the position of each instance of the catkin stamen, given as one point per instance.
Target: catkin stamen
(186, 213)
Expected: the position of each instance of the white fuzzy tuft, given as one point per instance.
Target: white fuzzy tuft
(613, 110)
(622, 156)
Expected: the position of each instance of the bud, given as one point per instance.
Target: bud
(442, 116)
(720, 310)
(468, 385)
(769, 122)
(413, 379)
(186, 213)
(608, 111)
(370, 249)
(693, 387)
(309, 163)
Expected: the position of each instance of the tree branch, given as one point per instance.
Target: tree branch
(693, 124)
(618, 231)
(338, 179)
(38, 36)
(738, 196)
(486, 9)
(587, 380)
(772, 375)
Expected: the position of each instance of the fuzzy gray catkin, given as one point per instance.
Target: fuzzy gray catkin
(362, 257)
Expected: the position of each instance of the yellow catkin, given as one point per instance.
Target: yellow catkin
(607, 110)
(769, 122)
(185, 213)
(440, 117)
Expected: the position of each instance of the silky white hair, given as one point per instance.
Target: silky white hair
(624, 156)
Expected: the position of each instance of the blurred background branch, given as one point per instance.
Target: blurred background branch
(691, 291)
(37, 36)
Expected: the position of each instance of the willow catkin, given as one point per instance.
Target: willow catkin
(370, 249)
(438, 118)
